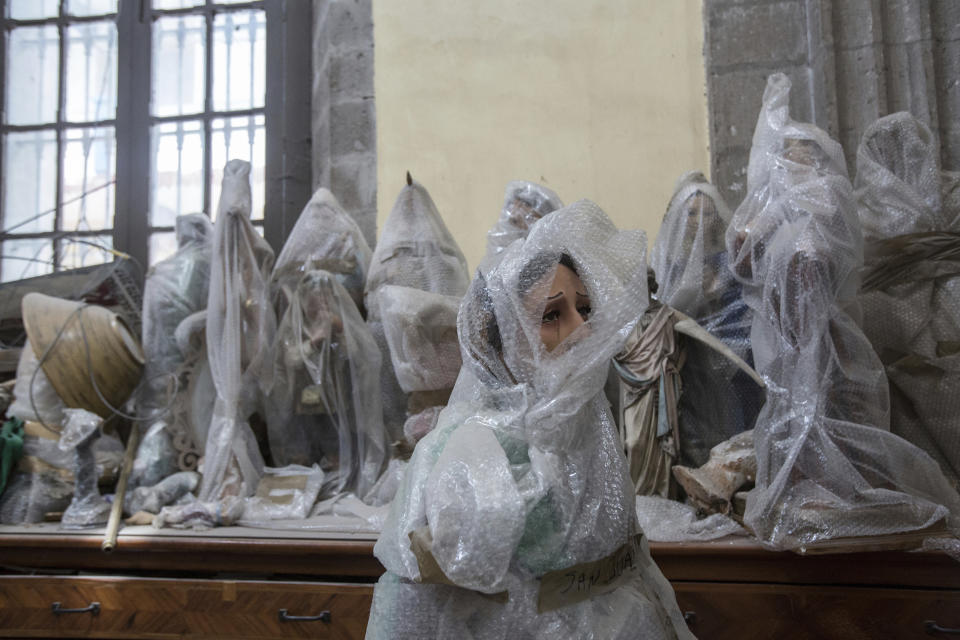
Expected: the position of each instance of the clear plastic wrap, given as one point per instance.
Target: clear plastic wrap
(153, 498)
(524, 474)
(898, 181)
(689, 255)
(283, 493)
(693, 276)
(827, 467)
(666, 520)
(240, 330)
(325, 405)
(523, 204)
(87, 507)
(175, 289)
(911, 291)
(325, 238)
(415, 250)
(34, 398)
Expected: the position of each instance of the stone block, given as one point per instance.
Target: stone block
(950, 149)
(351, 73)
(352, 127)
(321, 35)
(861, 87)
(910, 81)
(856, 23)
(350, 23)
(945, 19)
(756, 34)
(354, 181)
(946, 57)
(905, 21)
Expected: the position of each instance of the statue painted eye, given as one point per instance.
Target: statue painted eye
(584, 311)
(550, 317)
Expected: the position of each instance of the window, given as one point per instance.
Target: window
(119, 116)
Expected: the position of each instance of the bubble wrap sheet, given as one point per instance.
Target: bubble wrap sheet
(523, 204)
(324, 238)
(524, 473)
(325, 403)
(175, 289)
(691, 263)
(240, 330)
(415, 250)
(911, 291)
(828, 467)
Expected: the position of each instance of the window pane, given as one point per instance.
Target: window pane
(85, 252)
(162, 246)
(32, 66)
(176, 4)
(176, 182)
(89, 171)
(91, 7)
(239, 60)
(29, 181)
(91, 72)
(32, 9)
(178, 65)
(243, 139)
(25, 259)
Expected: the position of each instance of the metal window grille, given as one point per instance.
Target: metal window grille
(195, 83)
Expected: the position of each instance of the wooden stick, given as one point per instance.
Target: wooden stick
(116, 511)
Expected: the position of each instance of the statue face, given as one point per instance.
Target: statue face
(567, 306)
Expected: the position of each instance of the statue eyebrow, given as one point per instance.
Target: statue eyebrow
(555, 297)
(582, 295)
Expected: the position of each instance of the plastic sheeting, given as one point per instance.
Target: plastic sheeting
(34, 398)
(911, 289)
(523, 204)
(324, 238)
(692, 267)
(415, 250)
(325, 404)
(524, 473)
(175, 289)
(240, 329)
(827, 467)
(665, 520)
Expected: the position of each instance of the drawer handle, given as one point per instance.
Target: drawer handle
(93, 608)
(286, 617)
(932, 627)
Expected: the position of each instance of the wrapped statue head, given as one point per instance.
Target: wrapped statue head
(325, 237)
(523, 475)
(689, 255)
(523, 204)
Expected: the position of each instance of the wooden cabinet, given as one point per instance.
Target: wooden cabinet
(234, 584)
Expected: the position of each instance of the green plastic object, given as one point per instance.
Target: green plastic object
(11, 448)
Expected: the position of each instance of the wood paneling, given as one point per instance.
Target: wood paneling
(145, 608)
(762, 611)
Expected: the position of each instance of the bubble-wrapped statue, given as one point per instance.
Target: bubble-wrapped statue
(415, 250)
(827, 466)
(516, 515)
(719, 399)
(240, 329)
(523, 204)
(325, 403)
(175, 289)
(325, 237)
(911, 289)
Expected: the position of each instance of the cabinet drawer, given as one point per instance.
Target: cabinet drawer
(745, 611)
(160, 608)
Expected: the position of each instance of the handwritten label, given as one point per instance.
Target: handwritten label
(588, 579)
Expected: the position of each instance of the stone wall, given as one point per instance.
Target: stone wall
(851, 62)
(344, 132)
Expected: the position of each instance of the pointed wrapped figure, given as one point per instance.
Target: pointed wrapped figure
(415, 250)
(523, 204)
(523, 481)
(827, 465)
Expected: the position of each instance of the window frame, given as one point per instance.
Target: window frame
(286, 111)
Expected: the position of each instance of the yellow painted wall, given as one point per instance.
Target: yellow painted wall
(598, 99)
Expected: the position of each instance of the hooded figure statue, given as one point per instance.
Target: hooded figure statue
(523, 204)
(516, 516)
(827, 465)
